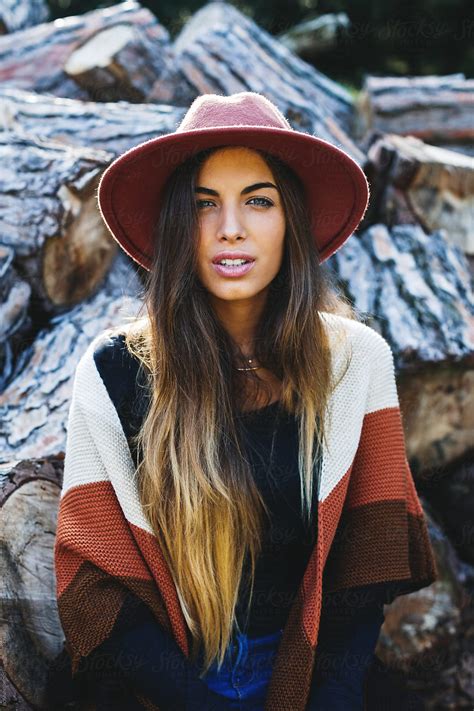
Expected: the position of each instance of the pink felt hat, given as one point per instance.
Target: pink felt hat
(129, 192)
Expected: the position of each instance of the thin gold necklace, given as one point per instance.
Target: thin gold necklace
(255, 367)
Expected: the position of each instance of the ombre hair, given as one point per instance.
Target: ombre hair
(194, 478)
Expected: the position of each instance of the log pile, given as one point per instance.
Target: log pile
(76, 94)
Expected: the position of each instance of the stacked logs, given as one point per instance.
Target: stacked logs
(76, 93)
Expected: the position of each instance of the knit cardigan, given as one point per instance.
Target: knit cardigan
(371, 526)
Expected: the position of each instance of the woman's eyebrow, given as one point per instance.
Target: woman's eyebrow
(248, 189)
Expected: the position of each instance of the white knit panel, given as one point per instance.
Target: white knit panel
(97, 449)
(383, 387)
(348, 402)
(82, 464)
(108, 455)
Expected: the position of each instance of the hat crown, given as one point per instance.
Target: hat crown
(247, 108)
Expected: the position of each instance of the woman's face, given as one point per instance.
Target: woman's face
(237, 215)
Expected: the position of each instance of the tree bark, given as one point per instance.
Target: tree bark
(15, 319)
(31, 630)
(18, 14)
(113, 126)
(416, 290)
(34, 405)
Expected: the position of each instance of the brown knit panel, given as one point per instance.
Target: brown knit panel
(422, 559)
(147, 591)
(90, 605)
(163, 582)
(379, 542)
(293, 667)
(88, 609)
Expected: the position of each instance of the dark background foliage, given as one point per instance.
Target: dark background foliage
(389, 37)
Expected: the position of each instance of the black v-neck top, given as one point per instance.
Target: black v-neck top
(270, 440)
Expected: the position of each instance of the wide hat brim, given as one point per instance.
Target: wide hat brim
(130, 189)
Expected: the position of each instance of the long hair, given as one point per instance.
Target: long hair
(194, 478)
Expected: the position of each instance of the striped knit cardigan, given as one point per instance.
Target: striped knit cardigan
(371, 526)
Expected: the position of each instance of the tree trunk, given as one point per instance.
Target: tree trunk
(15, 319)
(310, 38)
(415, 183)
(31, 630)
(118, 63)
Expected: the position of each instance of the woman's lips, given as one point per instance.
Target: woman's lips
(233, 271)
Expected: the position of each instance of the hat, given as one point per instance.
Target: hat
(130, 189)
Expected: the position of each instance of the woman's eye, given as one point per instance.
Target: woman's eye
(265, 202)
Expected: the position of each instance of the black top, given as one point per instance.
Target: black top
(270, 439)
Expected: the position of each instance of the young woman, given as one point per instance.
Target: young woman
(222, 392)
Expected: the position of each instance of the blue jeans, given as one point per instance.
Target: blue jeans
(246, 670)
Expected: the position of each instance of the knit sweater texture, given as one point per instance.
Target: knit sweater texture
(371, 529)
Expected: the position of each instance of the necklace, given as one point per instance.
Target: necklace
(255, 367)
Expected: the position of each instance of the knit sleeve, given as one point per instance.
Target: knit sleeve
(382, 535)
(139, 652)
(99, 556)
(349, 629)
(88, 597)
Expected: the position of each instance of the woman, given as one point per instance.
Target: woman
(227, 392)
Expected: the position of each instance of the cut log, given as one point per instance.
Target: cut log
(34, 406)
(413, 182)
(117, 63)
(437, 109)
(49, 217)
(310, 38)
(32, 636)
(30, 626)
(34, 59)
(114, 127)
(416, 290)
(19, 14)
(220, 50)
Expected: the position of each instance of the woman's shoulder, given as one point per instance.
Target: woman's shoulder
(353, 331)
(120, 372)
(109, 348)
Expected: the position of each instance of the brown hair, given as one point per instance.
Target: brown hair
(195, 483)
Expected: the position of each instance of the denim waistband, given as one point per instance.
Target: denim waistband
(246, 670)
